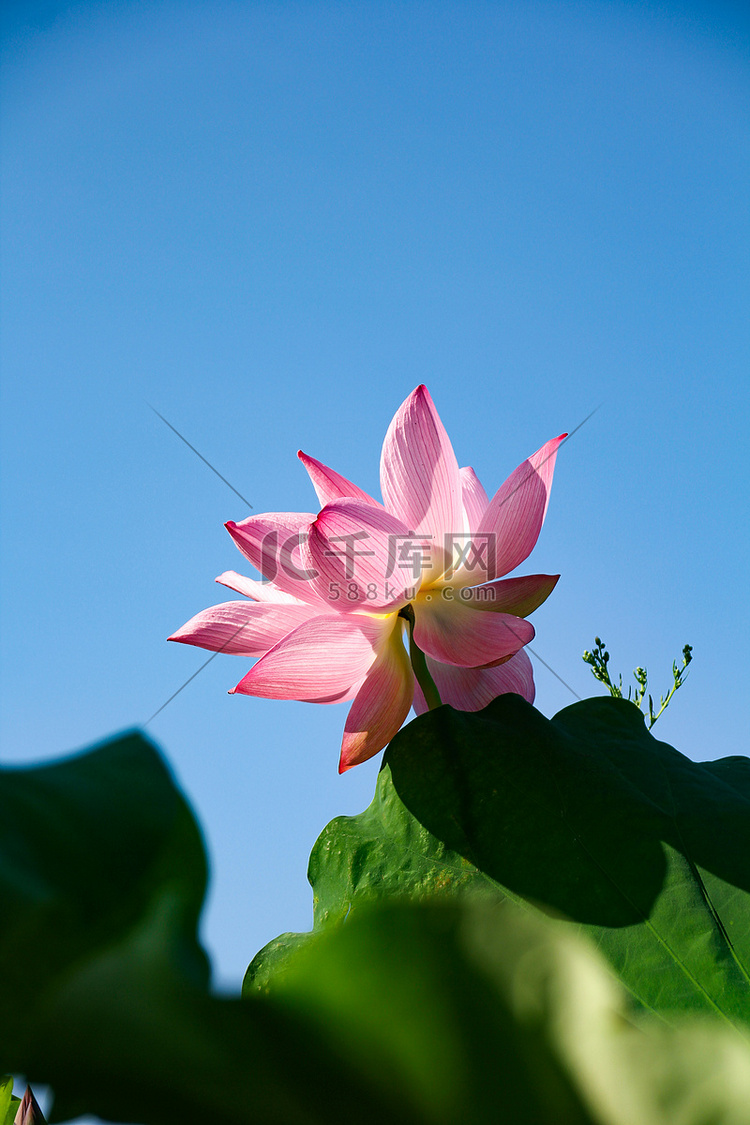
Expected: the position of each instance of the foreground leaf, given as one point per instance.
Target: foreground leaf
(86, 845)
(9, 1103)
(104, 985)
(415, 1014)
(585, 816)
(484, 1014)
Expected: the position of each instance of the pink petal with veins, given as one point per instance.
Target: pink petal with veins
(475, 499)
(380, 706)
(242, 628)
(321, 661)
(516, 512)
(419, 475)
(258, 591)
(460, 567)
(330, 485)
(272, 544)
(471, 689)
(519, 596)
(454, 634)
(353, 549)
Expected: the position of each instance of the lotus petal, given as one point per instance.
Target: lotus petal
(258, 591)
(319, 662)
(519, 596)
(330, 485)
(354, 550)
(471, 689)
(380, 706)
(475, 499)
(242, 628)
(516, 512)
(455, 634)
(419, 475)
(272, 544)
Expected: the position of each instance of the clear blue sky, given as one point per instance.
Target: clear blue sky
(272, 221)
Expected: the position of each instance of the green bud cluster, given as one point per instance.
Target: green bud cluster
(598, 661)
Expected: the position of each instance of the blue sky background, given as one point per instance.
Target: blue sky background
(272, 221)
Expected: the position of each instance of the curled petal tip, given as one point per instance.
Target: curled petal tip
(348, 758)
(330, 485)
(181, 636)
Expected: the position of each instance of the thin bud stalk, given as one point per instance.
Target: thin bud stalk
(419, 664)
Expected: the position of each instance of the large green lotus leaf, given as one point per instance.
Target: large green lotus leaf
(586, 816)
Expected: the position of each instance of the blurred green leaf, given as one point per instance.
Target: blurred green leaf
(479, 1013)
(412, 1013)
(586, 816)
(104, 987)
(85, 846)
(8, 1102)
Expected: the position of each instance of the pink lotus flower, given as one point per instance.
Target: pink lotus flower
(344, 588)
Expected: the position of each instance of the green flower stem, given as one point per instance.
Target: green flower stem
(419, 663)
